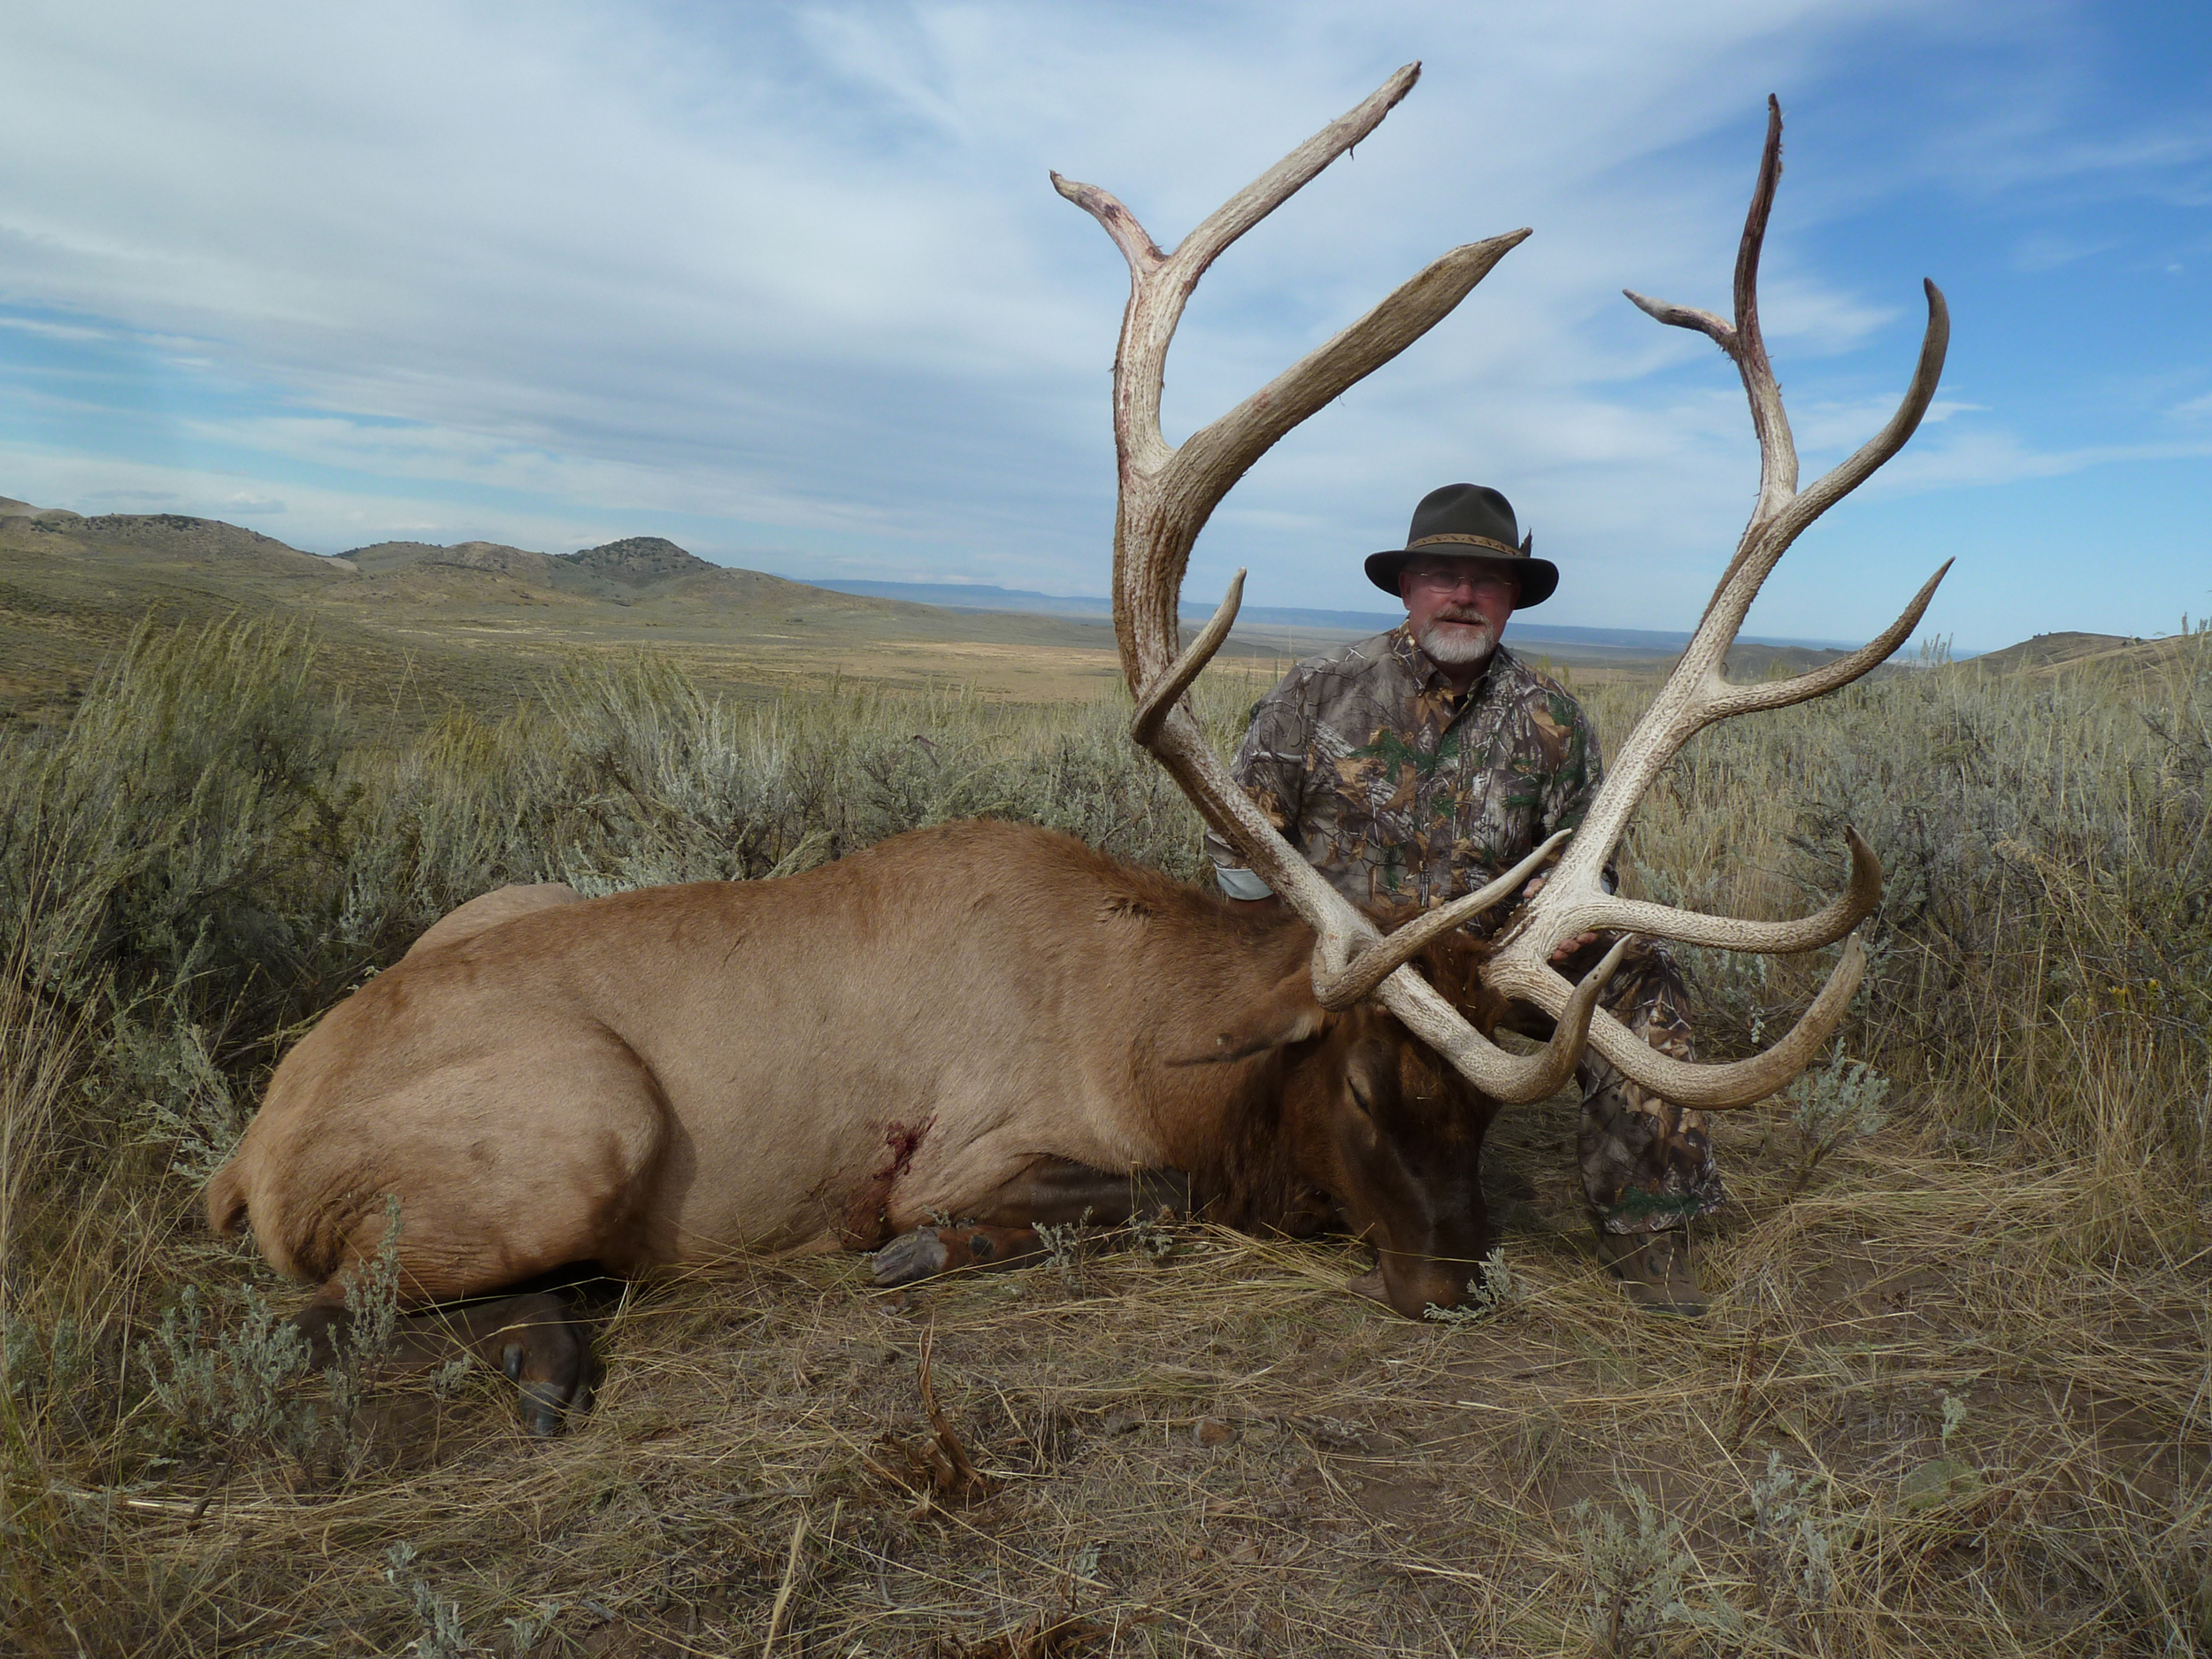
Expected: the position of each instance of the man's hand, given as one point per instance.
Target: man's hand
(1566, 947)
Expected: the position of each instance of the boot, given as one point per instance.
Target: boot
(1654, 1269)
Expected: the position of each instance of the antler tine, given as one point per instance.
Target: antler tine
(1740, 1082)
(1225, 449)
(1251, 204)
(1165, 497)
(1532, 1077)
(1746, 344)
(1847, 474)
(1778, 450)
(1780, 693)
(1254, 202)
(1602, 911)
(1824, 927)
(1380, 959)
(1168, 690)
(1207, 466)
(1697, 693)
(1156, 307)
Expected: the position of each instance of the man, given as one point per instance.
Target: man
(1414, 767)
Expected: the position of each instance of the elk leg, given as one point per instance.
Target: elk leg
(1060, 1190)
(928, 1251)
(535, 1338)
(486, 1229)
(1002, 1233)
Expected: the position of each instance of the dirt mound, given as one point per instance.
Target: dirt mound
(178, 532)
(2046, 650)
(382, 557)
(496, 556)
(638, 559)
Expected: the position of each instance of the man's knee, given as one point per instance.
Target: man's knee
(1648, 996)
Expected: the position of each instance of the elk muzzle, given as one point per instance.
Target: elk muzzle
(1437, 1276)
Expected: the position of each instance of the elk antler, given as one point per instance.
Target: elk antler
(1166, 495)
(1696, 695)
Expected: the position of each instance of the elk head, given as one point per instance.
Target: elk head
(1166, 495)
(1367, 1119)
(1393, 1134)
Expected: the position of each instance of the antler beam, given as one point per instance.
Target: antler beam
(1697, 693)
(1166, 495)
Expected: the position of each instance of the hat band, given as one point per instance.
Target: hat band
(1455, 539)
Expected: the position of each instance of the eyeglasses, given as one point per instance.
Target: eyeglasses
(1448, 579)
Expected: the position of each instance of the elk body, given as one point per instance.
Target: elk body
(985, 1020)
(1001, 1024)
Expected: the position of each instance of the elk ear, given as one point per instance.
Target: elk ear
(1285, 1014)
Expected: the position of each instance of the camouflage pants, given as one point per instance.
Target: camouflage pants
(1646, 1163)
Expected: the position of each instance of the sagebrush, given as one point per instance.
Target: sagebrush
(1200, 1447)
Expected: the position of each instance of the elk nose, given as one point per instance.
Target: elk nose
(1413, 1286)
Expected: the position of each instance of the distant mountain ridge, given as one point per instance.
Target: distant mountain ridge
(2051, 650)
(633, 564)
(980, 596)
(172, 533)
(417, 628)
(637, 570)
(634, 570)
(10, 508)
(634, 560)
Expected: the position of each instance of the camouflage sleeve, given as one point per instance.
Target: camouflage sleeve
(1271, 763)
(1569, 790)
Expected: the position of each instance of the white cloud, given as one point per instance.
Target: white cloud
(47, 330)
(793, 279)
(1980, 460)
(2049, 249)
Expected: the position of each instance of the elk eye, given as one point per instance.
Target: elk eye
(1358, 1087)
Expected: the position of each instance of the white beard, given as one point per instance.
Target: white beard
(1458, 644)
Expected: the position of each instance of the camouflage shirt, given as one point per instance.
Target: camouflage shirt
(1399, 792)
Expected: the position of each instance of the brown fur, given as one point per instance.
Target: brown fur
(672, 1075)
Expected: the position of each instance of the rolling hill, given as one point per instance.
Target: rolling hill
(420, 628)
(481, 622)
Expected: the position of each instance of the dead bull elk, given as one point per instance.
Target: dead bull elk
(997, 1022)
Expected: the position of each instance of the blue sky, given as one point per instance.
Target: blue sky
(788, 284)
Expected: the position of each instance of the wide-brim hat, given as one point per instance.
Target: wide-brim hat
(1470, 521)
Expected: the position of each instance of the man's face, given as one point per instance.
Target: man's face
(1458, 607)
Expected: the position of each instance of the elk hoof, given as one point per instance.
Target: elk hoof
(545, 1407)
(548, 1361)
(322, 1323)
(1370, 1284)
(910, 1256)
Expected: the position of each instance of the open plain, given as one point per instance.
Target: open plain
(1953, 1396)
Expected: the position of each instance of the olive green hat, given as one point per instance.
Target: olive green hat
(1471, 521)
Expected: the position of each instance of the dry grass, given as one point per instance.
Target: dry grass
(1952, 1398)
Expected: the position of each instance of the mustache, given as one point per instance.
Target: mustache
(1461, 613)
